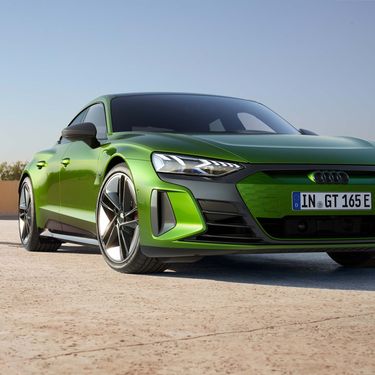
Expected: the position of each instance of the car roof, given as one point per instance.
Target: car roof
(111, 96)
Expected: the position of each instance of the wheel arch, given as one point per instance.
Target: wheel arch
(116, 160)
(24, 175)
(28, 174)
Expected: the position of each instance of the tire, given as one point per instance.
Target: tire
(28, 229)
(117, 225)
(353, 258)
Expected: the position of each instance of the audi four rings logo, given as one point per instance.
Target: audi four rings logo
(330, 177)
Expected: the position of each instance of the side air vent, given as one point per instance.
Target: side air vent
(162, 216)
(224, 223)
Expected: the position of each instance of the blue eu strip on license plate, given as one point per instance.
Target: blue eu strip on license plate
(331, 201)
(296, 201)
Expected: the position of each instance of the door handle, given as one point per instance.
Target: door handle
(41, 164)
(65, 162)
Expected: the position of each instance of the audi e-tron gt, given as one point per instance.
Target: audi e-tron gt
(155, 178)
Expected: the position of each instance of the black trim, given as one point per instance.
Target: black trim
(307, 132)
(308, 167)
(85, 132)
(225, 223)
(162, 215)
(160, 252)
(69, 238)
(327, 226)
(57, 227)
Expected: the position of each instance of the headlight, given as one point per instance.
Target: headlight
(167, 163)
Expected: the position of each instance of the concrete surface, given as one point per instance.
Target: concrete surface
(69, 313)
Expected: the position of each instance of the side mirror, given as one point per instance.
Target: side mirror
(307, 132)
(85, 132)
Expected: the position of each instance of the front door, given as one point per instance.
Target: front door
(79, 180)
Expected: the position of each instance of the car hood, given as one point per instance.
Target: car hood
(271, 149)
(304, 149)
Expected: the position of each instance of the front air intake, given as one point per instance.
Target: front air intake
(315, 227)
(225, 223)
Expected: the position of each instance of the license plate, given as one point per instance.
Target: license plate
(331, 201)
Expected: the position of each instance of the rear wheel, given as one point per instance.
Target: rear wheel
(353, 258)
(28, 229)
(117, 225)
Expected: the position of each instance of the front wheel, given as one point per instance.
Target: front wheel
(353, 258)
(117, 225)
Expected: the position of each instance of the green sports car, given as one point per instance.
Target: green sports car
(158, 178)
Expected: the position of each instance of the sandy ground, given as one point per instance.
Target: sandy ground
(69, 313)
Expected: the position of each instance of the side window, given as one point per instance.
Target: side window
(79, 118)
(96, 115)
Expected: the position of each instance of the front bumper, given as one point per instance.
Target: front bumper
(226, 215)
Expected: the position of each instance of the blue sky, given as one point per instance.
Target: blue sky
(311, 61)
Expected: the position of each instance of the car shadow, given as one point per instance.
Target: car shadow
(310, 270)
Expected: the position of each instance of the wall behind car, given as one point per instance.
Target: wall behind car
(8, 198)
(10, 174)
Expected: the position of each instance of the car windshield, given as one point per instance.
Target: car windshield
(189, 113)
